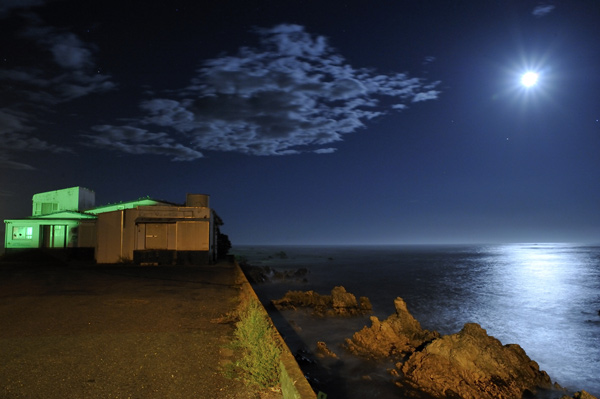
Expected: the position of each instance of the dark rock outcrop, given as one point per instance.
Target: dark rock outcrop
(472, 365)
(262, 274)
(339, 303)
(580, 395)
(397, 336)
(467, 365)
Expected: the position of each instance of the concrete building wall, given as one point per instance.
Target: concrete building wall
(68, 199)
(87, 234)
(48, 233)
(108, 237)
(116, 236)
(170, 234)
(193, 236)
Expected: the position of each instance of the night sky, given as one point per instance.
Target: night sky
(312, 122)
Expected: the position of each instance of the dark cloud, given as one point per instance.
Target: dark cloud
(292, 94)
(29, 92)
(79, 84)
(131, 140)
(6, 163)
(75, 75)
(6, 193)
(7, 5)
(70, 52)
(12, 121)
(542, 10)
(15, 137)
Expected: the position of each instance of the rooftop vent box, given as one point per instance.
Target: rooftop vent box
(197, 200)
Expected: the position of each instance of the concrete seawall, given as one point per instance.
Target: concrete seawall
(293, 383)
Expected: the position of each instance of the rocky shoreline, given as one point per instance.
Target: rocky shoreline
(469, 364)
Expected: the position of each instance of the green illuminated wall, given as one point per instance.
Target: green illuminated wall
(68, 199)
(62, 230)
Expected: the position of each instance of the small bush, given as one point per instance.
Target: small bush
(258, 345)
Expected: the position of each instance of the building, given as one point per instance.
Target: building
(144, 231)
(163, 234)
(58, 221)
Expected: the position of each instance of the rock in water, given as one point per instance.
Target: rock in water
(324, 351)
(398, 335)
(473, 365)
(365, 304)
(342, 300)
(296, 299)
(583, 395)
(580, 395)
(339, 303)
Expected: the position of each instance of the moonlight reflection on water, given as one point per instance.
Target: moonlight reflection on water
(543, 297)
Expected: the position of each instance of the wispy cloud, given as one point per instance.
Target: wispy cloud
(6, 193)
(6, 163)
(132, 140)
(428, 60)
(542, 10)
(15, 137)
(291, 94)
(28, 92)
(325, 150)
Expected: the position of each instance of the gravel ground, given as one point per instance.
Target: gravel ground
(90, 331)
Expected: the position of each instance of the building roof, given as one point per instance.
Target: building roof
(65, 215)
(147, 201)
(61, 215)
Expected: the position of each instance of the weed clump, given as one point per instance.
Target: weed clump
(258, 346)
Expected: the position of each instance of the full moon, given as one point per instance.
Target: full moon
(529, 79)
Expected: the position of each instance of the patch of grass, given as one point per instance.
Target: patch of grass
(258, 347)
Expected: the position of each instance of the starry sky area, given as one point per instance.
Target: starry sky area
(312, 122)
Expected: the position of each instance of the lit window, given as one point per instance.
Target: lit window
(22, 233)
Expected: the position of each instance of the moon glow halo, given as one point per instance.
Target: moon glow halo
(529, 79)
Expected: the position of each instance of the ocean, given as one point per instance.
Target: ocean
(544, 297)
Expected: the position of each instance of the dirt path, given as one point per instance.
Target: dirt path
(116, 331)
